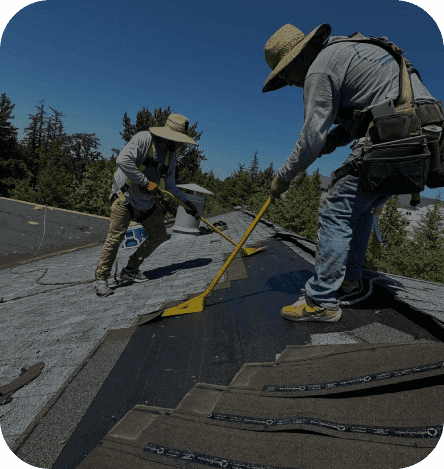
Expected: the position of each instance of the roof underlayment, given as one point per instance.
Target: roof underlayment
(101, 360)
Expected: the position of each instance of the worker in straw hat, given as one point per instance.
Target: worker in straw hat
(336, 76)
(145, 163)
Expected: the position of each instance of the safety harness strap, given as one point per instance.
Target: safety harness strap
(405, 97)
(161, 168)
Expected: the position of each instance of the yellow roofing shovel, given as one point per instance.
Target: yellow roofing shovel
(245, 251)
(197, 304)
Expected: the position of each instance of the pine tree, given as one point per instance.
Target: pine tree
(239, 189)
(53, 181)
(269, 173)
(34, 139)
(144, 120)
(236, 173)
(55, 129)
(263, 182)
(393, 256)
(430, 228)
(316, 183)
(189, 158)
(82, 149)
(299, 210)
(12, 166)
(8, 133)
(253, 170)
(392, 225)
(23, 190)
(427, 254)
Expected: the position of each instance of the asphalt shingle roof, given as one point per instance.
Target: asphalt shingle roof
(50, 313)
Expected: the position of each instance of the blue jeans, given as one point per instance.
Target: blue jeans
(344, 227)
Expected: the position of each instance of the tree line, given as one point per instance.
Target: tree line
(51, 167)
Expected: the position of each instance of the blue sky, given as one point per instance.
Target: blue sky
(94, 60)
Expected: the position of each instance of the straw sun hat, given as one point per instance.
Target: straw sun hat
(289, 45)
(175, 129)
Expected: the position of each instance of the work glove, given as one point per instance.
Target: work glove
(330, 145)
(192, 209)
(338, 137)
(277, 188)
(150, 187)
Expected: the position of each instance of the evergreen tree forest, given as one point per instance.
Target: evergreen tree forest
(48, 166)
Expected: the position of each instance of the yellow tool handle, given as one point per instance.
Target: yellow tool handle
(238, 247)
(179, 202)
(197, 304)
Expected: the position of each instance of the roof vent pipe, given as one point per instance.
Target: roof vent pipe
(186, 225)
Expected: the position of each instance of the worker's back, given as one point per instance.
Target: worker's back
(365, 74)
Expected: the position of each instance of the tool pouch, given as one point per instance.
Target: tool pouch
(391, 128)
(435, 177)
(394, 168)
(403, 124)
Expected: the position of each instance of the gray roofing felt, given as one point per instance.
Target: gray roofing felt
(23, 225)
(50, 312)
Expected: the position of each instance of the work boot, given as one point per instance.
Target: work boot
(350, 288)
(220, 225)
(133, 275)
(307, 311)
(101, 288)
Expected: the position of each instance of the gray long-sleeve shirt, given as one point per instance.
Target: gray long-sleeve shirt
(130, 158)
(344, 75)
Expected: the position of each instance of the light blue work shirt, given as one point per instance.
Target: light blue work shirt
(132, 155)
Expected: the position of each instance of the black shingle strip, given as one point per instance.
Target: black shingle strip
(424, 296)
(165, 439)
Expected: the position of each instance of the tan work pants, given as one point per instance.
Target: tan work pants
(120, 219)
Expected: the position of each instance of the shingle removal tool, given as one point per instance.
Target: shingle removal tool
(198, 303)
(244, 252)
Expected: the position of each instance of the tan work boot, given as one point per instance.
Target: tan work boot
(101, 288)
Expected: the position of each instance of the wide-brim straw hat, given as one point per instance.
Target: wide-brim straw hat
(289, 45)
(175, 129)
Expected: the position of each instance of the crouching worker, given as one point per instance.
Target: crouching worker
(367, 87)
(147, 162)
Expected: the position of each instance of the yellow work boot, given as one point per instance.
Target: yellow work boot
(307, 311)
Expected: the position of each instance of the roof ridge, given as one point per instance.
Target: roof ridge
(54, 208)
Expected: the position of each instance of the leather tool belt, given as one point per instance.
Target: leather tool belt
(400, 155)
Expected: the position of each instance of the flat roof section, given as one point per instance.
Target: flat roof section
(27, 228)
